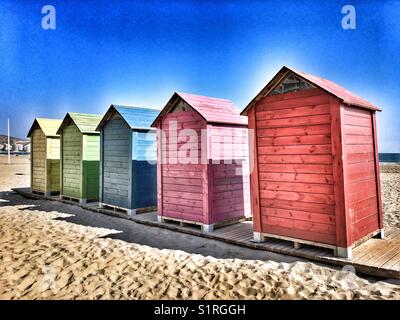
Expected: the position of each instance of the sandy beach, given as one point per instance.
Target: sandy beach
(390, 181)
(50, 250)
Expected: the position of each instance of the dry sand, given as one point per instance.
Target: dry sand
(15, 175)
(43, 256)
(390, 181)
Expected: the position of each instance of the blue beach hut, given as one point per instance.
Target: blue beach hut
(128, 154)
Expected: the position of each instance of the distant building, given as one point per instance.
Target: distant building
(18, 146)
(27, 147)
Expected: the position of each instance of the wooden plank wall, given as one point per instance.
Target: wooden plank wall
(71, 161)
(342, 221)
(295, 166)
(53, 148)
(360, 176)
(160, 160)
(254, 176)
(144, 169)
(53, 164)
(90, 166)
(38, 160)
(182, 184)
(116, 159)
(230, 172)
(377, 170)
(144, 145)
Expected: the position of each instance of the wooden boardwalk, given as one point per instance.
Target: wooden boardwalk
(375, 257)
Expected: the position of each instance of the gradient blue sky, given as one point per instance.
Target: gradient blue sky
(140, 52)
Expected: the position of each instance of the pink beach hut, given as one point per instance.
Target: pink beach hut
(202, 161)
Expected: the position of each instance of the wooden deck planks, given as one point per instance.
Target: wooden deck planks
(391, 233)
(379, 253)
(393, 263)
(374, 257)
(383, 259)
(363, 251)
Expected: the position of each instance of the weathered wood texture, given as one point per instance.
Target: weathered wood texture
(314, 168)
(116, 158)
(231, 196)
(71, 159)
(362, 203)
(377, 171)
(229, 166)
(45, 157)
(204, 175)
(254, 175)
(38, 160)
(144, 169)
(53, 164)
(295, 166)
(128, 158)
(343, 236)
(182, 171)
(90, 166)
(80, 156)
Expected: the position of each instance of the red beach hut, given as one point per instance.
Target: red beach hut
(316, 170)
(202, 160)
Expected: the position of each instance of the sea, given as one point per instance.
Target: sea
(389, 157)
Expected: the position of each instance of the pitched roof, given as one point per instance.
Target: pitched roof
(213, 110)
(48, 126)
(135, 117)
(86, 123)
(343, 94)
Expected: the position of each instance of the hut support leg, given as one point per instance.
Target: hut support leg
(131, 212)
(101, 206)
(258, 237)
(343, 252)
(160, 219)
(382, 234)
(207, 228)
(297, 245)
(82, 201)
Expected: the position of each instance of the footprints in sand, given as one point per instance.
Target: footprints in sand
(390, 182)
(42, 257)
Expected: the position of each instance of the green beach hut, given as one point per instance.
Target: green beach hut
(80, 157)
(45, 156)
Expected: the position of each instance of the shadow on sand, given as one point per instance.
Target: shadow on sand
(141, 234)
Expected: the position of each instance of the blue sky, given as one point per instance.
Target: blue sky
(140, 52)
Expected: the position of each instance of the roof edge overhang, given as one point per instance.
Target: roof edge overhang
(174, 99)
(64, 122)
(33, 127)
(36, 124)
(358, 105)
(169, 105)
(110, 111)
(279, 76)
(228, 123)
